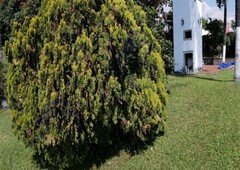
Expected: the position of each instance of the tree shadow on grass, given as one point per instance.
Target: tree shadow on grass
(99, 156)
(217, 79)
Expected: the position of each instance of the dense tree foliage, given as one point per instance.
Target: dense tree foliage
(212, 43)
(12, 10)
(84, 74)
(2, 82)
(167, 48)
(163, 38)
(15, 10)
(231, 43)
(8, 10)
(221, 3)
(156, 3)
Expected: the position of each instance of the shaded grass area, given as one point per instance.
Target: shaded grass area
(203, 128)
(13, 154)
(202, 132)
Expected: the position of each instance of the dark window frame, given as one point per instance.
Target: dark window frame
(187, 35)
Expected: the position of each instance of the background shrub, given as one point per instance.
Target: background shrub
(15, 10)
(82, 75)
(158, 31)
(2, 82)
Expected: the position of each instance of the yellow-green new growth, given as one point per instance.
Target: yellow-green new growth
(83, 75)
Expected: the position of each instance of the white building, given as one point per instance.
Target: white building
(187, 20)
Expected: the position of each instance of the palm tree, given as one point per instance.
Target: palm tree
(237, 48)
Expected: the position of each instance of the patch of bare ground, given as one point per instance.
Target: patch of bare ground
(211, 69)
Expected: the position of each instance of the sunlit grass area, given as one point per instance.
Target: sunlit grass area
(202, 131)
(203, 128)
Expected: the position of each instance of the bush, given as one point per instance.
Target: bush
(167, 49)
(15, 10)
(3, 72)
(159, 33)
(2, 82)
(83, 74)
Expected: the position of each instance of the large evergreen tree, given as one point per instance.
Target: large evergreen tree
(82, 74)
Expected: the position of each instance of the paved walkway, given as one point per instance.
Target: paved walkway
(208, 69)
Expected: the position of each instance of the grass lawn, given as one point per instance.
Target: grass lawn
(202, 132)
(203, 128)
(13, 154)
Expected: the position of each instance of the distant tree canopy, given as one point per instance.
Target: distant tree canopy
(85, 74)
(8, 10)
(220, 3)
(155, 3)
(15, 10)
(2, 82)
(158, 30)
(212, 43)
(214, 40)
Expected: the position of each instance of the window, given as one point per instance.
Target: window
(188, 35)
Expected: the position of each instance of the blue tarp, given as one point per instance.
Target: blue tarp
(226, 65)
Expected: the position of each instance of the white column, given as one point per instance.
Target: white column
(237, 53)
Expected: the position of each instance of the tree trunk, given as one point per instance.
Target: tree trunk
(225, 32)
(237, 48)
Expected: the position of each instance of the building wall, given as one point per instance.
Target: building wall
(189, 12)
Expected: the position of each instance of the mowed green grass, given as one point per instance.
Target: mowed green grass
(203, 127)
(13, 154)
(202, 131)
